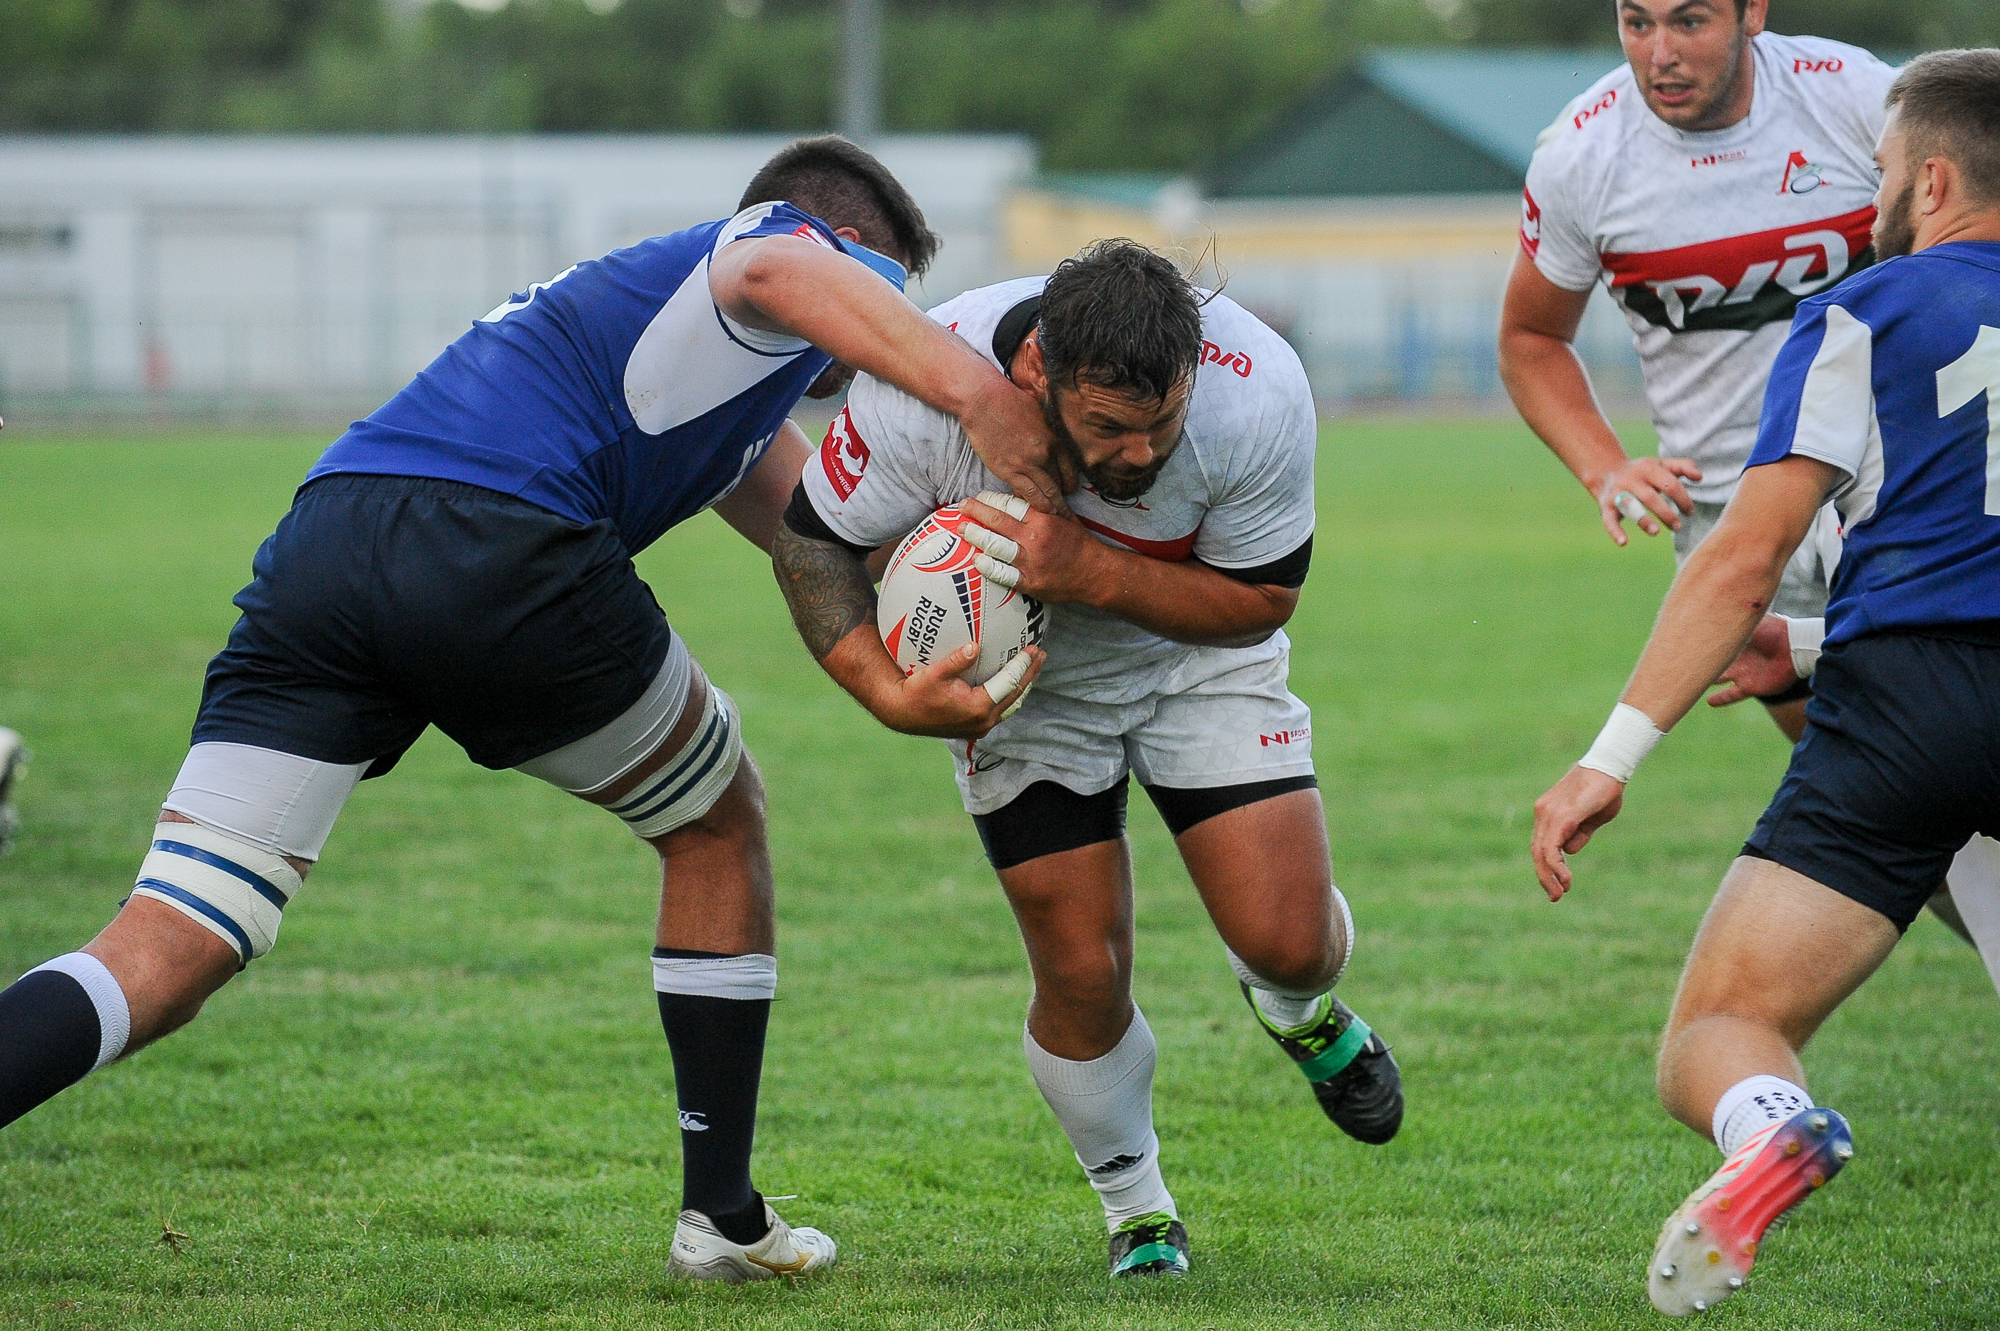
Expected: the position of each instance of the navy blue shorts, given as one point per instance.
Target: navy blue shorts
(1899, 766)
(385, 604)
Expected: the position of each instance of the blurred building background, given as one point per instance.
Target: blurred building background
(263, 209)
(308, 278)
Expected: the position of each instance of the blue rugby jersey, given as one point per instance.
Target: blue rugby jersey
(1894, 377)
(616, 389)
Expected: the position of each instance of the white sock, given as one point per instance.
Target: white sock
(1289, 1009)
(1752, 1105)
(114, 1015)
(1105, 1107)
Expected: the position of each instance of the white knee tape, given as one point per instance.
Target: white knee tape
(693, 779)
(231, 887)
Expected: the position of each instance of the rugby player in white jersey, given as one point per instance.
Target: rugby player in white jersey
(1711, 182)
(1718, 177)
(1886, 399)
(1192, 427)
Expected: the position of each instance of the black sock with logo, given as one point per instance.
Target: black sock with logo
(718, 1049)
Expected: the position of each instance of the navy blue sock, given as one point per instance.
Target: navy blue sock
(49, 1039)
(718, 1049)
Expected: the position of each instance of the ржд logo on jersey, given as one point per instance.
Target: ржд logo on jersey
(1233, 360)
(1741, 282)
(844, 456)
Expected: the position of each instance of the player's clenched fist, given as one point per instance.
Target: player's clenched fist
(1565, 820)
(934, 700)
(1051, 558)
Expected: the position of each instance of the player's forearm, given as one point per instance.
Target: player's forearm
(1725, 588)
(1551, 389)
(1715, 604)
(847, 311)
(1188, 602)
(827, 589)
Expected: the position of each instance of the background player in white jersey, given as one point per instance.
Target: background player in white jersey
(1192, 427)
(1715, 179)
(463, 558)
(1886, 399)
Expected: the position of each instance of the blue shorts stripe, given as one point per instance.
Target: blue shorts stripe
(194, 902)
(230, 867)
(715, 756)
(622, 810)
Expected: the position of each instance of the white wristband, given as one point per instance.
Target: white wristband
(1806, 636)
(1623, 743)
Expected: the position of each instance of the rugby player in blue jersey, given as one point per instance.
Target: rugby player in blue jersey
(1886, 400)
(463, 558)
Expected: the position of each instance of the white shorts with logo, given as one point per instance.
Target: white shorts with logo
(1230, 729)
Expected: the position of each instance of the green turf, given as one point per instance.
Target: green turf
(444, 1099)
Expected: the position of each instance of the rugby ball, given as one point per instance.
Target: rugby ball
(934, 600)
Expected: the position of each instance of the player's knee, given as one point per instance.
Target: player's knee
(1084, 977)
(1279, 956)
(1287, 960)
(701, 784)
(235, 888)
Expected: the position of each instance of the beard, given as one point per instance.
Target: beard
(1113, 482)
(832, 380)
(1895, 235)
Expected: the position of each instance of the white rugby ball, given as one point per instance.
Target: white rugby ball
(934, 600)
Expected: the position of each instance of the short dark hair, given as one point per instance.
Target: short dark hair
(1951, 108)
(842, 184)
(1121, 317)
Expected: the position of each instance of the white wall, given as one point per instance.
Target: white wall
(325, 271)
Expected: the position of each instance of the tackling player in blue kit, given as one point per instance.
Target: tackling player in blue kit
(1886, 400)
(463, 558)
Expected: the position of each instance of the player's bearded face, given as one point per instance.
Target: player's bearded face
(1895, 230)
(1116, 428)
(831, 380)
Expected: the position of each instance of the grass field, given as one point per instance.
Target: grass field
(444, 1100)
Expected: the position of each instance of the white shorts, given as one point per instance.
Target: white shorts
(1224, 730)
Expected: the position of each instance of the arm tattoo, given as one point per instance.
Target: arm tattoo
(827, 588)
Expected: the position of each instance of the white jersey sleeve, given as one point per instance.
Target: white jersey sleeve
(884, 464)
(1557, 232)
(1263, 507)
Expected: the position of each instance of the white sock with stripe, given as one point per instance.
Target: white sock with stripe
(1105, 1107)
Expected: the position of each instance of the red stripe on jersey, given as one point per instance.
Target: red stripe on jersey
(1171, 551)
(1795, 254)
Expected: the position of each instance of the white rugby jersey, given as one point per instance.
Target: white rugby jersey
(1237, 493)
(1708, 241)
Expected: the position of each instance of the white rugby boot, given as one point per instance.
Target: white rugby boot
(1707, 1246)
(700, 1252)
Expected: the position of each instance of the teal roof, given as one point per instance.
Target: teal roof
(1497, 100)
(1412, 122)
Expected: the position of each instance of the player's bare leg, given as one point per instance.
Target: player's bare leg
(145, 975)
(1074, 909)
(1089, 1047)
(715, 971)
(1777, 953)
(1265, 874)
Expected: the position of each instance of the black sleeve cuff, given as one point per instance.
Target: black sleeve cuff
(804, 520)
(1284, 571)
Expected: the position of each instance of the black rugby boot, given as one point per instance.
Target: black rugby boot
(1352, 1074)
(1152, 1245)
